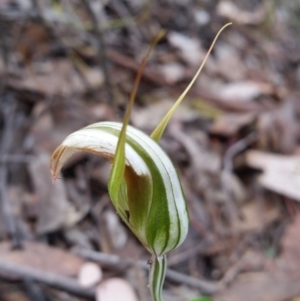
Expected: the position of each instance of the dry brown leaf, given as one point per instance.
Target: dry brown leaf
(52, 200)
(291, 245)
(34, 41)
(115, 230)
(280, 282)
(115, 289)
(58, 78)
(229, 10)
(14, 296)
(190, 48)
(42, 257)
(147, 118)
(173, 72)
(244, 90)
(54, 209)
(229, 65)
(256, 217)
(262, 286)
(280, 173)
(230, 124)
(278, 129)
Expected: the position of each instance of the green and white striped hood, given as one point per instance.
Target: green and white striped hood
(150, 201)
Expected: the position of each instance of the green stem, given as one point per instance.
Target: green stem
(157, 276)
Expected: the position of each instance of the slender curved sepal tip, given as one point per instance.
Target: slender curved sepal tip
(150, 198)
(159, 130)
(116, 182)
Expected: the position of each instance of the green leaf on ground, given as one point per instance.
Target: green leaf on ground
(201, 299)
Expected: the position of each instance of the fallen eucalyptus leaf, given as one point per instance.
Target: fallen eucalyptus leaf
(280, 173)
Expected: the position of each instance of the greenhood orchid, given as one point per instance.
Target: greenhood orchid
(144, 186)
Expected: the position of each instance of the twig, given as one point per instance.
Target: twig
(106, 259)
(207, 287)
(8, 109)
(5, 54)
(57, 281)
(123, 12)
(101, 48)
(40, 16)
(131, 64)
(7, 158)
(34, 292)
(5, 205)
(8, 217)
(231, 152)
(209, 246)
(236, 148)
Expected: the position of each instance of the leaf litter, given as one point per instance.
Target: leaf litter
(244, 219)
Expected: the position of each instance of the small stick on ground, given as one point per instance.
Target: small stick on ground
(56, 281)
(206, 287)
(101, 49)
(8, 109)
(231, 152)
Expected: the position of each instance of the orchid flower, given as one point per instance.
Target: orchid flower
(144, 186)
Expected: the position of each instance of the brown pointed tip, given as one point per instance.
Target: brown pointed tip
(54, 160)
(54, 177)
